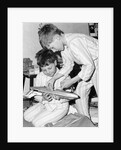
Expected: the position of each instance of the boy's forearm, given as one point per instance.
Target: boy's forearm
(76, 79)
(57, 76)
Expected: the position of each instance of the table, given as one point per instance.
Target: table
(30, 76)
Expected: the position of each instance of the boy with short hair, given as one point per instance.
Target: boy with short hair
(49, 110)
(75, 48)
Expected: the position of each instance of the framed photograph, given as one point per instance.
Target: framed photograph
(30, 35)
(93, 30)
(23, 42)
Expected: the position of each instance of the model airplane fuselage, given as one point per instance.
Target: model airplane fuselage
(60, 93)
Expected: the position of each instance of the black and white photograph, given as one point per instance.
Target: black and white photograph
(67, 62)
(60, 74)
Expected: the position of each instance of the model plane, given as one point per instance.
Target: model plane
(60, 93)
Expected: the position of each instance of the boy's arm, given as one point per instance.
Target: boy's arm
(65, 70)
(82, 54)
(68, 63)
(68, 82)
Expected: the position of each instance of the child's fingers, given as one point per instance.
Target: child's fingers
(56, 97)
(50, 97)
(50, 86)
(38, 98)
(44, 94)
(62, 84)
(47, 96)
(63, 100)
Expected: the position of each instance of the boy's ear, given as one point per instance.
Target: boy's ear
(56, 37)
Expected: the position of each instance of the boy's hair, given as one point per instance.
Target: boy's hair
(45, 57)
(46, 34)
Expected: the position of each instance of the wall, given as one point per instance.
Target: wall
(31, 43)
(30, 36)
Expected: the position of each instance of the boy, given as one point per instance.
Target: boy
(48, 109)
(75, 48)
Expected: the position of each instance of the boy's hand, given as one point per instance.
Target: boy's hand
(66, 83)
(50, 84)
(47, 97)
(63, 100)
(38, 98)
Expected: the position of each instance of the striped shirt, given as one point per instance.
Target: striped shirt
(81, 49)
(42, 80)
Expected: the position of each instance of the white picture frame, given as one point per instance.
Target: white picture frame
(16, 131)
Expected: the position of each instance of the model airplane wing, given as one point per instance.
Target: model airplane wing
(31, 93)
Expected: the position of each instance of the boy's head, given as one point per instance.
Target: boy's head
(50, 37)
(47, 61)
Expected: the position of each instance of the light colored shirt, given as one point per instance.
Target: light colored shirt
(42, 80)
(81, 49)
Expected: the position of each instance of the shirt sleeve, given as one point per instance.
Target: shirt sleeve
(82, 56)
(67, 63)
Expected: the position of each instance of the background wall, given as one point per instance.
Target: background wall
(30, 36)
(31, 41)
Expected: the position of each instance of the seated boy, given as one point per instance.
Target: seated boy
(48, 109)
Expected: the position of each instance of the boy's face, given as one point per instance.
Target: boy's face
(49, 70)
(56, 44)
